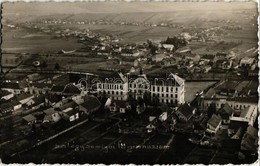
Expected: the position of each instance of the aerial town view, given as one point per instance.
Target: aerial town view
(121, 83)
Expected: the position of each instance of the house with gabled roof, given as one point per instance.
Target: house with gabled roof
(13, 87)
(57, 89)
(36, 102)
(10, 106)
(185, 112)
(250, 139)
(214, 123)
(39, 88)
(70, 90)
(6, 95)
(90, 104)
(51, 115)
(29, 119)
(24, 98)
(225, 112)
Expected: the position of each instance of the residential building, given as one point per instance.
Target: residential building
(185, 112)
(250, 140)
(6, 95)
(39, 88)
(90, 105)
(24, 98)
(51, 116)
(29, 119)
(13, 87)
(70, 114)
(246, 62)
(214, 124)
(10, 106)
(248, 114)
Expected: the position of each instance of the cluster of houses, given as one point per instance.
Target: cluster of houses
(233, 107)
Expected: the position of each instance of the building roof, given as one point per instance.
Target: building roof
(38, 100)
(71, 89)
(215, 120)
(70, 111)
(10, 85)
(24, 96)
(5, 93)
(186, 110)
(57, 88)
(29, 118)
(244, 99)
(208, 56)
(49, 111)
(9, 104)
(252, 131)
(235, 125)
(91, 102)
(247, 112)
(70, 104)
(54, 98)
(226, 109)
(41, 85)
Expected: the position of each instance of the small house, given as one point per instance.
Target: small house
(70, 114)
(185, 112)
(29, 119)
(51, 115)
(91, 104)
(6, 95)
(24, 98)
(214, 124)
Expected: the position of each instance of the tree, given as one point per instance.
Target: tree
(57, 66)
(212, 109)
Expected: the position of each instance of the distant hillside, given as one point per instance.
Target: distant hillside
(140, 12)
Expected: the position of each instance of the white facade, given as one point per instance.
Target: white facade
(169, 90)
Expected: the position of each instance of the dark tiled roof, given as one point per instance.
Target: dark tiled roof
(54, 98)
(49, 111)
(23, 96)
(10, 85)
(70, 104)
(226, 109)
(5, 93)
(41, 85)
(186, 110)
(71, 112)
(9, 104)
(57, 88)
(38, 100)
(29, 118)
(91, 102)
(71, 89)
(214, 120)
(244, 99)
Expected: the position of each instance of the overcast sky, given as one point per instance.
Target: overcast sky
(43, 8)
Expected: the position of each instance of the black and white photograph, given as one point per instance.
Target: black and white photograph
(118, 82)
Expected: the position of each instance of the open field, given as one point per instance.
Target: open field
(23, 41)
(191, 88)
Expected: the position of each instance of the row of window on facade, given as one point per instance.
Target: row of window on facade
(112, 92)
(164, 95)
(133, 86)
(164, 88)
(110, 86)
(237, 106)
